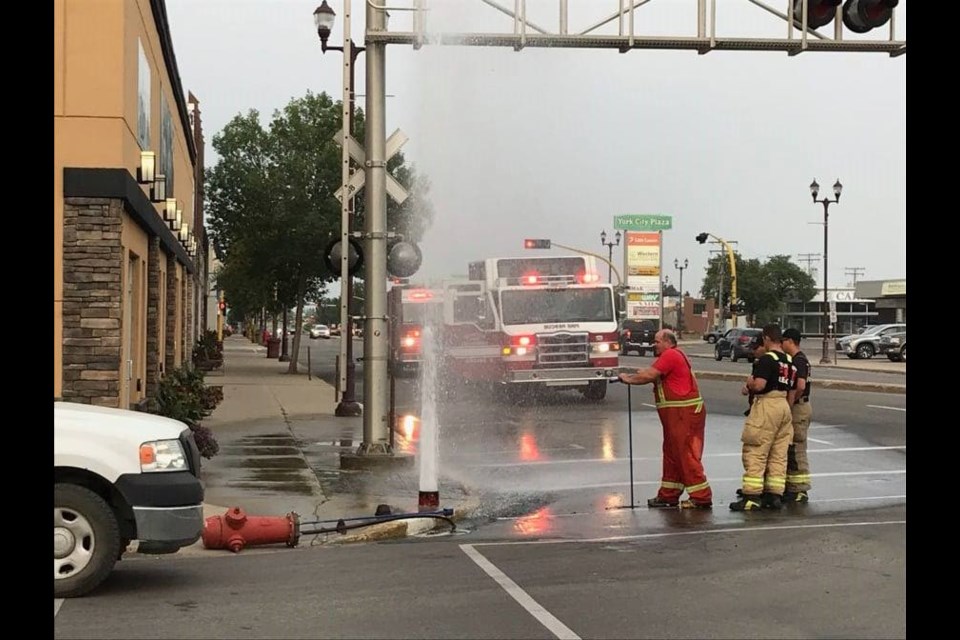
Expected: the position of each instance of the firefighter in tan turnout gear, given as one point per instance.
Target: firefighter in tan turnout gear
(798, 466)
(768, 429)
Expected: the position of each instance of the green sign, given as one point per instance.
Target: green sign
(642, 222)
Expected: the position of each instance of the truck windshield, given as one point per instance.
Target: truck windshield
(537, 306)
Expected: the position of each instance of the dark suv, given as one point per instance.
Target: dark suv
(738, 343)
(637, 335)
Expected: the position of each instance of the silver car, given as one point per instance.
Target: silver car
(867, 343)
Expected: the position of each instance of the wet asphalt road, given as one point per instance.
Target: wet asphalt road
(553, 553)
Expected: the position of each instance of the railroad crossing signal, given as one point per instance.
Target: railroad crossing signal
(394, 189)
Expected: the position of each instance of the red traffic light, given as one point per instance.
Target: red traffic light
(819, 12)
(223, 305)
(861, 16)
(536, 243)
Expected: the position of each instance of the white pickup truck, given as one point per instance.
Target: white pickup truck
(119, 476)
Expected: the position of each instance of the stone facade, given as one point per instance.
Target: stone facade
(169, 361)
(154, 322)
(92, 300)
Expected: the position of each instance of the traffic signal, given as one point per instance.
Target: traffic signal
(819, 12)
(403, 259)
(223, 306)
(861, 16)
(702, 238)
(332, 256)
(535, 243)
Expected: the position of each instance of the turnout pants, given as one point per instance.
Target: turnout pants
(683, 429)
(767, 434)
(798, 466)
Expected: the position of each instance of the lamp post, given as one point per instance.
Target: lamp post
(323, 18)
(681, 267)
(814, 190)
(609, 246)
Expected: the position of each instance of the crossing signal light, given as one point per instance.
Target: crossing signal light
(861, 16)
(223, 306)
(536, 243)
(702, 238)
(819, 12)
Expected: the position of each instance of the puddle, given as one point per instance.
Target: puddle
(299, 488)
(272, 440)
(240, 450)
(266, 462)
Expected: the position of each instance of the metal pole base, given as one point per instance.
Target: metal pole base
(348, 409)
(825, 358)
(284, 358)
(428, 501)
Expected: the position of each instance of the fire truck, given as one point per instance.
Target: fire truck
(410, 307)
(532, 322)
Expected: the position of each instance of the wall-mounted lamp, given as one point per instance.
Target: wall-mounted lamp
(147, 168)
(158, 192)
(170, 212)
(184, 232)
(178, 220)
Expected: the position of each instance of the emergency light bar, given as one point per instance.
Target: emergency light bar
(535, 279)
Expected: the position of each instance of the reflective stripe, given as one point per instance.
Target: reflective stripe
(698, 487)
(750, 481)
(667, 484)
(799, 477)
(775, 483)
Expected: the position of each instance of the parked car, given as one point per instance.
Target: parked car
(118, 476)
(737, 343)
(637, 335)
(320, 331)
(713, 335)
(894, 346)
(334, 329)
(867, 344)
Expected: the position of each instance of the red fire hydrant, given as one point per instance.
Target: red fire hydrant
(235, 530)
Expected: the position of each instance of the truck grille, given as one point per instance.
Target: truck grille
(562, 349)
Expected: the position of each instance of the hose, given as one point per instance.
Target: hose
(366, 521)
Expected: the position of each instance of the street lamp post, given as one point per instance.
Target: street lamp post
(324, 18)
(814, 190)
(609, 246)
(681, 267)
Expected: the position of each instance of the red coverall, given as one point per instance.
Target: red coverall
(683, 416)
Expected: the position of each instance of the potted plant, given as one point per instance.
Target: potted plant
(208, 352)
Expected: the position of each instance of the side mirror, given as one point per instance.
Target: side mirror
(481, 309)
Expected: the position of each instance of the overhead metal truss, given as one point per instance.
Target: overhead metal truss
(798, 38)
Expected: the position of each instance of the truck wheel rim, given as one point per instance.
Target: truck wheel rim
(73, 543)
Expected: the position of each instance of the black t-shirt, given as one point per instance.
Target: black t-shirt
(802, 364)
(777, 370)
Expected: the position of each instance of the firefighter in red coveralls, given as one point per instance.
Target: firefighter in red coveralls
(683, 416)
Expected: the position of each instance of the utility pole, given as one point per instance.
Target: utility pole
(723, 268)
(855, 272)
(809, 258)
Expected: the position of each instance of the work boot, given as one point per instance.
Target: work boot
(657, 503)
(746, 503)
(770, 501)
(690, 504)
(795, 497)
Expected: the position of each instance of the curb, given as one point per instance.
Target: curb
(878, 387)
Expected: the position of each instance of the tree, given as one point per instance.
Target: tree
(764, 287)
(271, 203)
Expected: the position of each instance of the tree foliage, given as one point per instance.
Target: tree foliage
(272, 210)
(764, 287)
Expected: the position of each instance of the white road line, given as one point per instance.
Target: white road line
(652, 406)
(827, 426)
(57, 603)
(736, 479)
(880, 406)
(533, 607)
(819, 441)
(593, 514)
(732, 454)
(642, 536)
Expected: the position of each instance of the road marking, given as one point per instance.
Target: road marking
(827, 426)
(57, 603)
(736, 454)
(642, 536)
(736, 479)
(652, 406)
(577, 446)
(532, 607)
(819, 441)
(880, 406)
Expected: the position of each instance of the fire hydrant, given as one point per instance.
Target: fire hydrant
(235, 530)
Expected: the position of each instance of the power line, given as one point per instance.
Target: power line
(809, 258)
(854, 271)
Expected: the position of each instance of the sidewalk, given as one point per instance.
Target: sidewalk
(280, 446)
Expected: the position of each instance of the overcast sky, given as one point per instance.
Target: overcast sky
(555, 142)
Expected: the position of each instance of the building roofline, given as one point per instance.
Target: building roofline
(159, 9)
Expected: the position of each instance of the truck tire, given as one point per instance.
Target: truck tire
(86, 540)
(596, 391)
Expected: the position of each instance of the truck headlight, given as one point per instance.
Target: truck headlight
(162, 455)
(600, 347)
